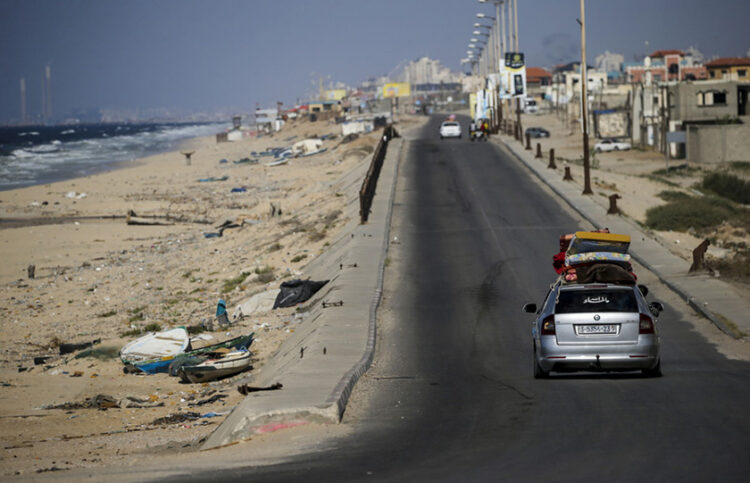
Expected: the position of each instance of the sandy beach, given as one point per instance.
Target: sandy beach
(98, 278)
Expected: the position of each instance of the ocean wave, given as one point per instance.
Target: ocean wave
(87, 150)
(22, 153)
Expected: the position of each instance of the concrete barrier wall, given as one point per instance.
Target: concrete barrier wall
(321, 361)
(718, 143)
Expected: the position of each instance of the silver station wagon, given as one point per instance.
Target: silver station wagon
(596, 327)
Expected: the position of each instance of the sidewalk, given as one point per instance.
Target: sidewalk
(713, 298)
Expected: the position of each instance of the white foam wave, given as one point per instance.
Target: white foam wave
(58, 157)
(21, 153)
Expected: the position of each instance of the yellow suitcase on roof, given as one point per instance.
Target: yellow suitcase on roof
(589, 241)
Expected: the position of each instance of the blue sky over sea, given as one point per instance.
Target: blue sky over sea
(200, 56)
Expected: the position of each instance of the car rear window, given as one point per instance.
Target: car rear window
(577, 301)
(449, 124)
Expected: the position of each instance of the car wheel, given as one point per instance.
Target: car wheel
(539, 373)
(654, 371)
(617, 148)
(441, 138)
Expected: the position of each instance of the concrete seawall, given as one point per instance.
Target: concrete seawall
(321, 361)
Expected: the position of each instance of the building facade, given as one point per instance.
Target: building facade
(729, 68)
(665, 65)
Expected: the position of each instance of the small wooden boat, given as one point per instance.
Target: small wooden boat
(227, 364)
(162, 362)
(154, 352)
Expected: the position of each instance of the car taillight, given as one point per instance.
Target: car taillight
(548, 325)
(646, 325)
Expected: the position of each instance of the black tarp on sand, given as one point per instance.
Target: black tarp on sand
(295, 292)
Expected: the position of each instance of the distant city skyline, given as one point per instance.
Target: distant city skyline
(187, 56)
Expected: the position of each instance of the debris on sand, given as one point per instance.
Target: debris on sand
(69, 348)
(245, 389)
(176, 418)
(105, 401)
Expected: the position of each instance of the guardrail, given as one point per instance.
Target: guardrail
(367, 191)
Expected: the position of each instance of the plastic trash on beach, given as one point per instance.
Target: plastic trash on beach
(213, 178)
(221, 313)
(295, 292)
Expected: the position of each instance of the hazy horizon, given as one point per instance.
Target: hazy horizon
(195, 56)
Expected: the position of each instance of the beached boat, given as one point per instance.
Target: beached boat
(154, 352)
(162, 362)
(226, 365)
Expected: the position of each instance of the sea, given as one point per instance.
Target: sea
(32, 155)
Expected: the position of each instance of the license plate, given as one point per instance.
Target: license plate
(596, 329)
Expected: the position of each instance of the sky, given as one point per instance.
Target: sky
(207, 55)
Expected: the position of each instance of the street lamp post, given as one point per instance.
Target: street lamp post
(492, 44)
(500, 45)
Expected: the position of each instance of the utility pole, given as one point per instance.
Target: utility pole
(497, 35)
(665, 125)
(510, 26)
(503, 44)
(500, 60)
(584, 106)
(515, 27)
(503, 50)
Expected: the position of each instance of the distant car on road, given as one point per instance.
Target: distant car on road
(531, 107)
(596, 327)
(611, 145)
(450, 129)
(537, 132)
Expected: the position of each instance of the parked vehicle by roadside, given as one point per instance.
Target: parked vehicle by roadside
(610, 144)
(530, 106)
(537, 132)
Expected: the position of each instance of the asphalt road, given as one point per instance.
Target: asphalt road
(451, 395)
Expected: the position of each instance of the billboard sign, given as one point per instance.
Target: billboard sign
(513, 76)
(514, 60)
(397, 89)
(335, 94)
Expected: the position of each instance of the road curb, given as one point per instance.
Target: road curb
(340, 395)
